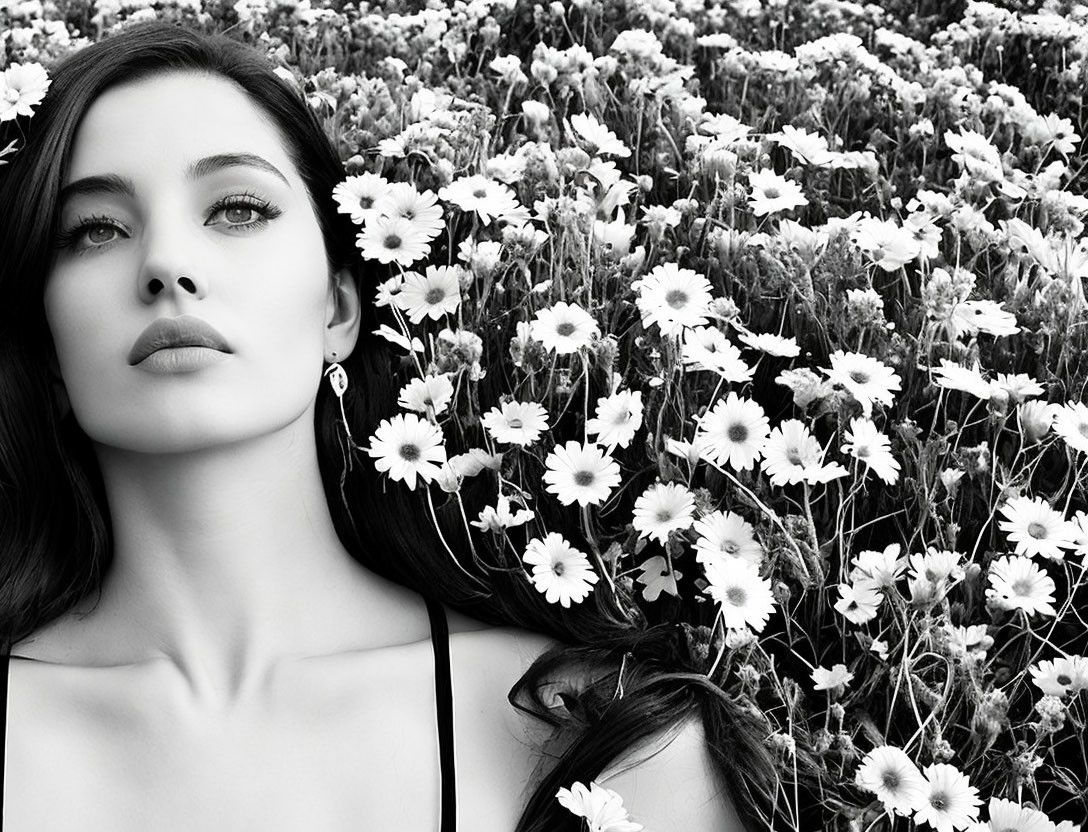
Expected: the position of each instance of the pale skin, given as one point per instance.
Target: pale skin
(241, 670)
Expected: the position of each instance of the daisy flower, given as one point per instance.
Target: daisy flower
(1080, 532)
(560, 572)
(401, 199)
(837, 677)
(1061, 676)
(516, 423)
(601, 140)
(772, 193)
(408, 447)
(432, 392)
(977, 155)
(488, 198)
(725, 534)
(430, 295)
(393, 240)
(890, 774)
(565, 328)
(745, 598)
(809, 148)
(864, 378)
(602, 808)
(673, 298)
(22, 88)
(661, 509)
(951, 802)
(501, 517)
(859, 602)
(618, 418)
(888, 245)
(1018, 583)
(1019, 386)
(974, 316)
(882, 569)
(791, 454)
(581, 473)
(357, 195)
(770, 343)
(866, 443)
(1036, 528)
(952, 376)
(937, 565)
(1006, 816)
(707, 348)
(733, 432)
(1071, 424)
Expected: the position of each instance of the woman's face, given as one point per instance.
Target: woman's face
(191, 297)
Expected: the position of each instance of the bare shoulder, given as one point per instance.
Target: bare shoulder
(501, 655)
(671, 782)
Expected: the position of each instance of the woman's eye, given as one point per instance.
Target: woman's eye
(99, 234)
(250, 213)
(240, 215)
(90, 233)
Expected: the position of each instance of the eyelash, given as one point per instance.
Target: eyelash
(268, 211)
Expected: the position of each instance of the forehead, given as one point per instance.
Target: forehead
(161, 123)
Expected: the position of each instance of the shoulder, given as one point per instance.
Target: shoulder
(494, 657)
(671, 782)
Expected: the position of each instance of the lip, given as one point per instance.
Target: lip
(170, 333)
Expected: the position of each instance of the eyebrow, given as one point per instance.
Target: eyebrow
(111, 183)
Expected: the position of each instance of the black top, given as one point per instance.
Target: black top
(443, 688)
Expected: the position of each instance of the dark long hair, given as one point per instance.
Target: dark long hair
(55, 541)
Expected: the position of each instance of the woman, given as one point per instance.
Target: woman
(199, 632)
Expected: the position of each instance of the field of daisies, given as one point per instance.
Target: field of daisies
(780, 306)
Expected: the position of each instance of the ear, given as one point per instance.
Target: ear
(343, 315)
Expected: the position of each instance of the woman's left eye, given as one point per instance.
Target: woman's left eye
(248, 212)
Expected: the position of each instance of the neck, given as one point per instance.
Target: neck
(226, 560)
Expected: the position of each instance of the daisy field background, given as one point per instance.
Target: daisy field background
(766, 317)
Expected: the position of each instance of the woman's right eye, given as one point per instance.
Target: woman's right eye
(89, 233)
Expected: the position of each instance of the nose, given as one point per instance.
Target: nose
(169, 268)
(153, 287)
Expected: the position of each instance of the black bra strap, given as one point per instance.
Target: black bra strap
(5, 659)
(443, 688)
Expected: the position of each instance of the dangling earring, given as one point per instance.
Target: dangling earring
(338, 380)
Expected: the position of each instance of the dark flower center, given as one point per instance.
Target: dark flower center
(565, 329)
(891, 780)
(409, 452)
(558, 568)
(676, 298)
(939, 801)
(393, 241)
(583, 478)
(434, 296)
(1037, 530)
(664, 516)
(736, 596)
(1022, 587)
(737, 432)
(859, 377)
(479, 193)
